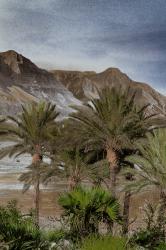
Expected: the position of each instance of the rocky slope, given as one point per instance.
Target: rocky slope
(21, 81)
(83, 85)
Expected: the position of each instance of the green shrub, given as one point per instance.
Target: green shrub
(105, 243)
(162, 246)
(151, 236)
(55, 235)
(149, 239)
(85, 208)
(19, 231)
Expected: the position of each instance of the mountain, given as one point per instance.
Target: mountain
(83, 85)
(21, 81)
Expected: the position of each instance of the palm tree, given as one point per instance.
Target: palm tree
(150, 166)
(75, 166)
(34, 177)
(113, 122)
(31, 131)
(85, 208)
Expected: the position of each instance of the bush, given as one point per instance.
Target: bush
(149, 239)
(19, 231)
(153, 234)
(162, 246)
(105, 243)
(85, 208)
(55, 235)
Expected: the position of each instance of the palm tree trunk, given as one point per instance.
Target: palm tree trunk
(113, 179)
(71, 183)
(36, 160)
(37, 200)
(162, 208)
(126, 208)
(113, 163)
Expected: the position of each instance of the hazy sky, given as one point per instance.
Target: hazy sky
(89, 35)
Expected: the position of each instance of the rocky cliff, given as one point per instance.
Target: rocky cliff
(22, 81)
(83, 85)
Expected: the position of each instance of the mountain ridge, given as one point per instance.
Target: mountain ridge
(84, 84)
(19, 75)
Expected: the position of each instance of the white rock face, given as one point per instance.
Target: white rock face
(60, 96)
(22, 81)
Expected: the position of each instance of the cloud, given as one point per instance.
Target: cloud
(89, 34)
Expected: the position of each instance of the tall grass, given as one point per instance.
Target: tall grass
(105, 243)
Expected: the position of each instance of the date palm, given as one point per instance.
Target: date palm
(113, 122)
(74, 165)
(30, 133)
(150, 165)
(34, 177)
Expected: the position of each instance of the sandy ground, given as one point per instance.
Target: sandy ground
(49, 208)
(48, 201)
(11, 189)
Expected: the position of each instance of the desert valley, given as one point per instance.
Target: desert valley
(23, 82)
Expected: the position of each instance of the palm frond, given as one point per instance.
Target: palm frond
(112, 119)
(150, 165)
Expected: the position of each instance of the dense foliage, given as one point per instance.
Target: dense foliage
(19, 231)
(86, 208)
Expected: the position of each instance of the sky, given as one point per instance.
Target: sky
(89, 35)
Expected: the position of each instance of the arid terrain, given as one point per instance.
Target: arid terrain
(22, 81)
